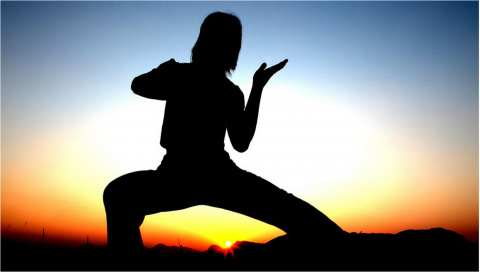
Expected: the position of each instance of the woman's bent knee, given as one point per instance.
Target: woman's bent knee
(124, 190)
(127, 193)
(121, 200)
(113, 194)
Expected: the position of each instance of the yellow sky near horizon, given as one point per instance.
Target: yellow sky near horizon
(369, 183)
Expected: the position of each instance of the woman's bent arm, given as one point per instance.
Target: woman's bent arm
(155, 84)
(244, 123)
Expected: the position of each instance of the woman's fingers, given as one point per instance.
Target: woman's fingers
(275, 68)
(279, 66)
(262, 67)
(262, 75)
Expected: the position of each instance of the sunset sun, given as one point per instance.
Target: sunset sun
(228, 243)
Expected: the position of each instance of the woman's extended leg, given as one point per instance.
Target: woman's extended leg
(254, 196)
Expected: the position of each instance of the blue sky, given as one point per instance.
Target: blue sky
(367, 53)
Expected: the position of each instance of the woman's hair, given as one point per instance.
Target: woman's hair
(219, 42)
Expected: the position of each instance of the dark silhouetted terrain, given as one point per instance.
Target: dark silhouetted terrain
(433, 249)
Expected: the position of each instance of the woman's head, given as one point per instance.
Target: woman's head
(219, 42)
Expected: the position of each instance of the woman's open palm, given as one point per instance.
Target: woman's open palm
(262, 75)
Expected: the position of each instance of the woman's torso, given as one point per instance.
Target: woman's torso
(197, 111)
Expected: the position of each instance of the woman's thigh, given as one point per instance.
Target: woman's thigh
(253, 196)
(149, 192)
(246, 193)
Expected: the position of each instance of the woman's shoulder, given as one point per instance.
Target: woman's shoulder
(233, 89)
(235, 94)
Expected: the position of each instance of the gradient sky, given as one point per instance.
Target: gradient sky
(374, 120)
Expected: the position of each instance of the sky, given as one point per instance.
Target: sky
(374, 120)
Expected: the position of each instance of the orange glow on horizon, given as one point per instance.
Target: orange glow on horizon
(384, 186)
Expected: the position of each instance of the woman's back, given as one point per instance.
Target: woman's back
(198, 108)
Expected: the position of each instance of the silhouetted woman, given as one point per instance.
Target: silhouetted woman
(201, 105)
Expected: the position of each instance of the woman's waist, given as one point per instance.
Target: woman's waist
(195, 157)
